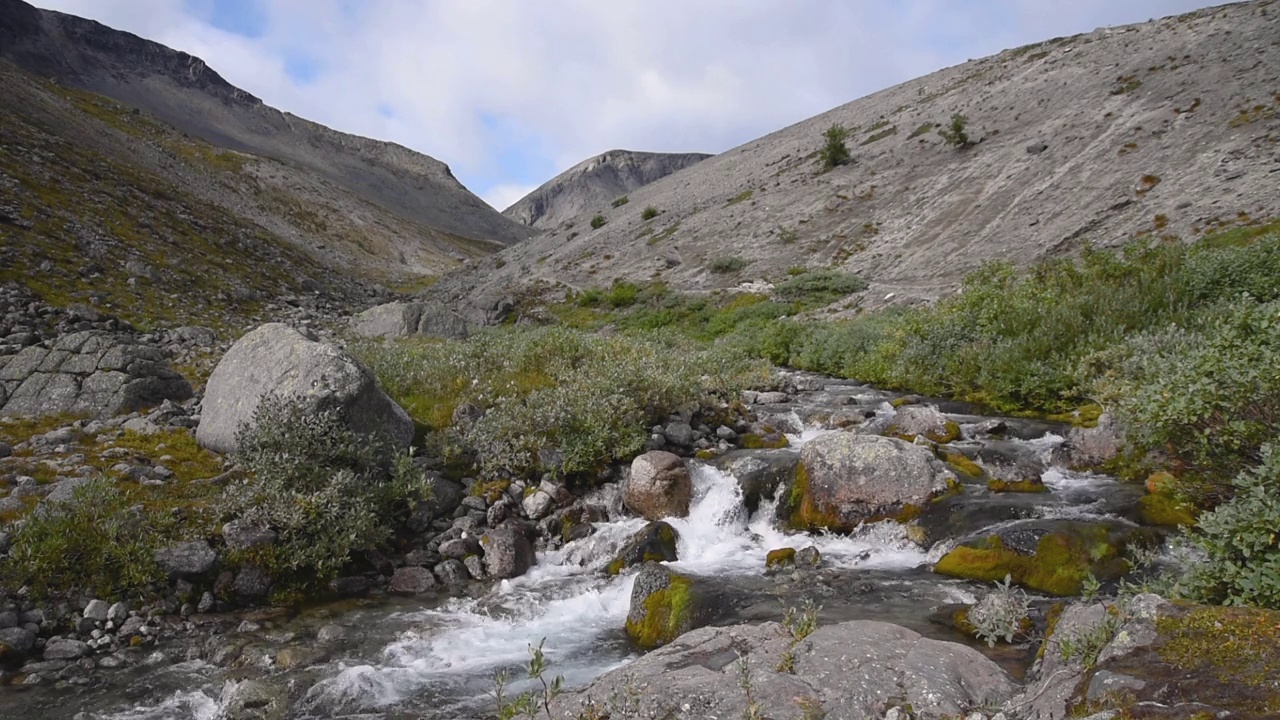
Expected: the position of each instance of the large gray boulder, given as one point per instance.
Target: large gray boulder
(187, 559)
(844, 479)
(659, 486)
(277, 360)
(400, 319)
(88, 373)
(849, 671)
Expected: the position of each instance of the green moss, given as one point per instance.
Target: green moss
(1062, 561)
(1016, 486)
(780, 557)
(21, 429)
(492, 490)
(1165, 511)
(187, 460)
(753, 441)
(668, 614)
(1085, 416)
(805, 514)
(708, 454)
(963, 465)
(743, 196)
(1238, 645)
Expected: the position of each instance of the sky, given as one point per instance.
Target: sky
(510, 93)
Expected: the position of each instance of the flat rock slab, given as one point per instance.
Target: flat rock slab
(849, 671)
(88, 373)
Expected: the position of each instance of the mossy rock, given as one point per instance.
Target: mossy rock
(664, 606)
(656, 541)
(1063, 558)
(780, 558)
(1164, 511)
(963, 465)
(772, 441)
(1016, 486)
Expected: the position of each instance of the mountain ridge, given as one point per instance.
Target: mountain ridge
(595, 181)
(1155, 130)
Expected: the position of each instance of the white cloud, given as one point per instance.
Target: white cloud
(511, 93)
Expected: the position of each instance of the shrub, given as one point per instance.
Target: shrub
(819, 288)
(787, 235)
(728, 264)
(649, 213)
(598, 222)
(1242, 564)
(326, 490)
(621, 201)
(99, 541)
(1002, 614)
(956, 133)
(622, 294)
(834, 152)
(1207, 393)
(592, 398)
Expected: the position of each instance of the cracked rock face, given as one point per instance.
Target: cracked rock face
(88, 373)
(841, 672)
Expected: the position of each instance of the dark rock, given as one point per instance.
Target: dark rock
(759, 472)
(679, 433)
(66, 650)
(508, 552)
(353, 586)
(15, 644)
(1037, 148)
(242, 536)
(412, 581)
(187, 559)
(459, 548)
(655, 541)
(452, 573)
(252, 583)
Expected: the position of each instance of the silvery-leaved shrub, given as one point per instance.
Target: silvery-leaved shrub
(325, 490)
(1241, 540)
(1001, 615)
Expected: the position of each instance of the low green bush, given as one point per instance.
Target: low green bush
(326, 490)
(621, 201)
(834, 152)
(728, 264)
(819, 288)
(598, 222)
(590, 397)
(100, 542)
(649, 213)
(1239, 539)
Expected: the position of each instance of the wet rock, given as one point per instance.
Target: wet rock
(187, 559)
(844, 479)
(16, 643)
(412, 581)
(475, 567)
(1049, 556)
(452, 573)
(1089, 448)
(759, 472)
(64, 649)
(508, 552)
(277, 360)
(848, 670)
(772, 398)
(659, 486)
(665, 605)
(655, 541)
(254, 700)
(443, 497)
(352, 586)
(912, 421)
(459, 547)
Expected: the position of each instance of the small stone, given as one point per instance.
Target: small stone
(207, 603)
(331, 634)
(538, 505)
(474, 566)
(724, 432)
(118, 612)
(96, 610)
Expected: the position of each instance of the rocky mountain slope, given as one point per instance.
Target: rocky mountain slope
(595, 183)
(1165, 129)
(349, 202)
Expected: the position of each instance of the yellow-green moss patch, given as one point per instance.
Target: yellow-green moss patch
(1165, 511)
(963, 464)
(668, 613)
(1062, 561)
(1016, 486)
(780, 557)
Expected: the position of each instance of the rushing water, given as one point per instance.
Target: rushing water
(441, 661)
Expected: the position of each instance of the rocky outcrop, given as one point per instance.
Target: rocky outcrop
(399, 319)
(666, 604)
(912, 421)
(88, 373)
(276, 360)
(659, 486)
(508, 552)
(848, 671)
(844, 479)
(595, 184)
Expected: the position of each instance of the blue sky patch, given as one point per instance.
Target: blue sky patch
(240, 17)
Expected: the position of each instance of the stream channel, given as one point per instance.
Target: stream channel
(394, 659)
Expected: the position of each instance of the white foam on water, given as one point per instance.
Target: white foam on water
(192, 705)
